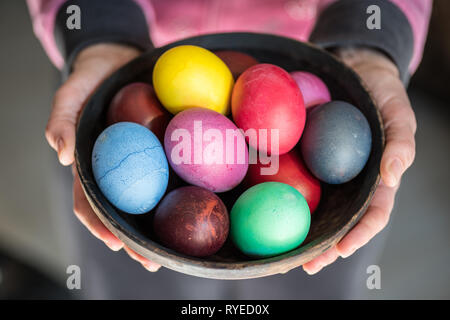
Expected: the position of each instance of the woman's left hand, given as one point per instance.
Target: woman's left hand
(381, 77)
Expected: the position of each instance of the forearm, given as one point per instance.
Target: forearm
(120, 21)
(404, 24)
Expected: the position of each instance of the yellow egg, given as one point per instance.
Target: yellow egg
(190, 76)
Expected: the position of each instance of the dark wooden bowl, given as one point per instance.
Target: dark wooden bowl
(340, 208)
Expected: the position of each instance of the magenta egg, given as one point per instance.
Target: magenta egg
(206, 149)
(313, 89)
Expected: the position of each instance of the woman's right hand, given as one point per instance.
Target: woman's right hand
(92, 65)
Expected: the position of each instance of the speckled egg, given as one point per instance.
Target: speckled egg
(192, 221)
(206, 149)
(130, 167)
(336, 143)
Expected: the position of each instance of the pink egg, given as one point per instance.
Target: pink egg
(313, 89)
(206, 149)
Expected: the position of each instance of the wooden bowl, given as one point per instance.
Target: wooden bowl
(341, 205)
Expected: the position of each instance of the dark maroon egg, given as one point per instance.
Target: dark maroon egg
(236, 61)
(192, 221)
(137, 102)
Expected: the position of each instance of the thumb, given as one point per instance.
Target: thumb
(68, 102)
(381, 78)
(400, 127)
(399, 153)
(92, 65)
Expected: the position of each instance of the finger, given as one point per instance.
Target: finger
(89, 219)
(399, 124)
(399, 121)
(147, 264)
(373, 221)
(400, 127)
(321, 261)
(60, 131)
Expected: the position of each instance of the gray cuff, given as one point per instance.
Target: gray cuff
(344, 23)
(119, 21)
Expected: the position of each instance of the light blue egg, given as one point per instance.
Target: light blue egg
(130, 167)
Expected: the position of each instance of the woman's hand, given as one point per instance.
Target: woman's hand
(381, 78)
(92, 65)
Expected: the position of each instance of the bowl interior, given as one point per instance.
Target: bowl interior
(340, 207)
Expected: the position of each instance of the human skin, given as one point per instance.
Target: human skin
(381, 77)
(379, 74)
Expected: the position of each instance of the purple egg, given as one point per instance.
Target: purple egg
(313, 89)
(336, 143)
(206, 149)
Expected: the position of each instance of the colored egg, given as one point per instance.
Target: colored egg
(267, 101)
(130, 167)
(268, 219)
(190, 76)
(236, 61)
(313, 89)
(337, 142)
(192, 221)
(137, 103)
(206, 149)
(292, 171)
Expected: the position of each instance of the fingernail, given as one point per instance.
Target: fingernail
(348, 254)
(151, 267)
(395, 170)
(114, 246)
(310, 272)
(60, 145)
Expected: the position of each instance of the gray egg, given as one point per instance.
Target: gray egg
(336, 142)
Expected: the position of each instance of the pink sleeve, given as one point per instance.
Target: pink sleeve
(418, 14)
(43, 14)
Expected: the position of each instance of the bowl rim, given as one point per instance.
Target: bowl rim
(216, 269)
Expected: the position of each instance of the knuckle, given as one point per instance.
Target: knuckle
(60, 94)
(409, 147)
(405, 149)
(49, 133)
(412, 120)
(382, 219)
(377, 221)
(399, 114)
(77, 210)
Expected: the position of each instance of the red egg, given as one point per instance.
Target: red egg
(267, 97)
(292, 171)
(236, 61)
(313, 89)
(138, 103)
(192, 221)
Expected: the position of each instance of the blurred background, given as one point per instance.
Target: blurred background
(34, 192)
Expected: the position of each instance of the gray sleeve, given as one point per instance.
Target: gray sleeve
(119, 21)
(344, 23)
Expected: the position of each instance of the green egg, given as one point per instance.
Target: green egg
(268, 219)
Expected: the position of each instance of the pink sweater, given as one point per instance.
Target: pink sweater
(171, 20)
